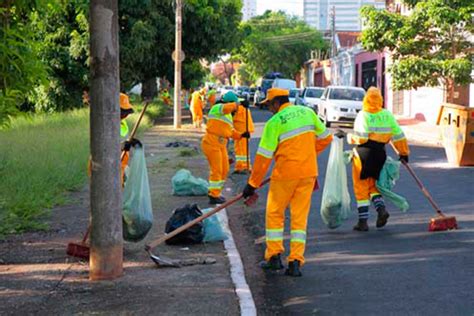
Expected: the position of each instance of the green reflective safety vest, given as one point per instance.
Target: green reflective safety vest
(123, 129)
(216, 113)
(288, 123)
(382, 122)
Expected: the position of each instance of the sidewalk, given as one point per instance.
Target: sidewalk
(36, 276)
(422, 132)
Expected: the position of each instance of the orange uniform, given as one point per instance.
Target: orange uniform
(214, 145)
(240, 125)
(373, 128)
(196, 108)
(293, 136)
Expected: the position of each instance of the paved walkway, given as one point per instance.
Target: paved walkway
(421, 132)
(36, 276)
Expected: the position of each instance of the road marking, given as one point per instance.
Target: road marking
(237, 273)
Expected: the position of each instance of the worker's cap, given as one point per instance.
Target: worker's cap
(275, 92)
(373, 99)
(125, 103)
(229, 97)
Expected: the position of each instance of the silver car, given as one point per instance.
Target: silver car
(340, 104)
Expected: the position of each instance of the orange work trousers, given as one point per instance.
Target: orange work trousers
(240, 146)
(196, 113)
(295, 193)
(215, 150)
(365, 189)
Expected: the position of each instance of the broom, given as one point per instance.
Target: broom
(441, 222)
(81, 250)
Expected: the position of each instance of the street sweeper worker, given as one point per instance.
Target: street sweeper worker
(125, 110)
(240, 145)
(294, 136)
(196, 107)
(219, 129)
(211, 97)
(373, 128)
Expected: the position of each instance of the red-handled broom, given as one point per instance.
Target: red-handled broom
(441, 222)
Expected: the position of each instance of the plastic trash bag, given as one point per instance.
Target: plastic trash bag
(137, 212)
(184, 183)
(389, 175)
(181, 216)
(212, 228)
(336, 201)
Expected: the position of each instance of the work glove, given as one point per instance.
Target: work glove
(340, 133)
(132, 143)
(403, 158)
(248, 191)
(245, 103)
(245, 135)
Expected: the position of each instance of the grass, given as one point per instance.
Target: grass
(43, 157)
(187, 153)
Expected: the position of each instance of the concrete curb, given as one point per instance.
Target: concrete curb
(246, 302)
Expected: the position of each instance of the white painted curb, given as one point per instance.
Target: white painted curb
(246, 302)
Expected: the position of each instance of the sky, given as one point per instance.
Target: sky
(290, 6)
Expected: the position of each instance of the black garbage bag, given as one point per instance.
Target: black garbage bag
(181, 216)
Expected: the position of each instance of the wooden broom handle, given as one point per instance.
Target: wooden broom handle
(420, 185)
(135, 127)
(180, 229)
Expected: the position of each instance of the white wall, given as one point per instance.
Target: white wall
(423, 103)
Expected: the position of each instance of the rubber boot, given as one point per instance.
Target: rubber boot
(273, 264)
(293, 269)
(216, 200)
(361, 225)
(382, 217)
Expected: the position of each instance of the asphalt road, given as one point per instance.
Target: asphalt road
(401, 269)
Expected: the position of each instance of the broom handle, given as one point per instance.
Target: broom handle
(197, 220)
(135, 127)
(421, 186)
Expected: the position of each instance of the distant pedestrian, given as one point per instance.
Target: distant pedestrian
(240, 145)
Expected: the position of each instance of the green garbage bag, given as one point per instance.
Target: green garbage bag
(212, 228)
(388, 177)
(184, 183)
(336, 201)
(137, 212)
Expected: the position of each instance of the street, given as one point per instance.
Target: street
(401, 269)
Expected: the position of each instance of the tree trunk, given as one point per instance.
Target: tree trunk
(149, 89)
(106, 242)
(449, 91)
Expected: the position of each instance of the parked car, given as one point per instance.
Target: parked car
(294, 95)
(340, 104)
(242, 91)
(311, 97)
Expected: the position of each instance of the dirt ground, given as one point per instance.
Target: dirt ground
(37, 277)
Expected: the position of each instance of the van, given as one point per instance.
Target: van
(287, 84)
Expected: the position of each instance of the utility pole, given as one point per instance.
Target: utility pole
(178, 57)
(106, 243)
(333, 32)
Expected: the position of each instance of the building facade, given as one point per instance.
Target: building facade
(249, 9)
(318, 13)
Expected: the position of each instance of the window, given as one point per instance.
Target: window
(346, 94)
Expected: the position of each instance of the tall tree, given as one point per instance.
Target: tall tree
(20, 66)
(64, 35)
(147, 36)
(275, 41)
(432, 45)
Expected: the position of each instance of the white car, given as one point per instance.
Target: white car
(294, 94)
(340, 104)
(311, 97)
